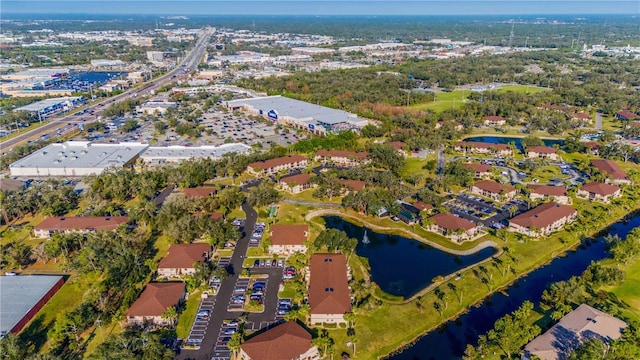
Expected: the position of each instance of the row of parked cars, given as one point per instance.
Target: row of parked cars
(268, 263)
(257, 233)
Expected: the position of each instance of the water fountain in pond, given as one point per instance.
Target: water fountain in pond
(365, 238)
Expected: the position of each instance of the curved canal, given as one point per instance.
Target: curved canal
(403, 266)
(449, 341)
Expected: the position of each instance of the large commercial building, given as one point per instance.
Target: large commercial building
(48, 107)
(316, 119)
(77, 158)
(21, 297)
(168, 154)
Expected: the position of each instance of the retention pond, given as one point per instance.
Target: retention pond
(402, 266)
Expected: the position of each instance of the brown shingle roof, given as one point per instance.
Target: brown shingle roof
(396, 144)
(627, 114)
(494, 118)
(199, 191)
(493, 187)
(342, 153)
(61, 223)
(599, 188)
(328, 284)
(543, 215)
(482, 145)
(355, 185)
(184, 255)
(157, 298)
(548, 190)
(582, 323)
(299, 179)
(479, 168)
(217, 216)
(277, 162)
(422, 205)
(283, 342)
(610, 168)
(451, 222)
(282, 234)
(542, 149)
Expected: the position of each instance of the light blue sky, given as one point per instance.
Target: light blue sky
(324, 7)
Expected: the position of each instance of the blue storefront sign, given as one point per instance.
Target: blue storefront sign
(273, 115)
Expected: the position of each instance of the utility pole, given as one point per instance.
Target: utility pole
(511, 34)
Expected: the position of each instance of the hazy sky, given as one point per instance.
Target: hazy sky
(324, 7)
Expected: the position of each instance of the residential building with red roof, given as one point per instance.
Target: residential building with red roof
(155, 299)
(494, 121)
(77, 224)
(329, 296)
(398, 145)
(626, 115)
(613, 172)
(288, 341)
(543, 219)
(272, 166)
(598, 191)
(493, 190)
(479, 170)
(288, 239)
(453, 227)
(477, 147)
(581, 116)
(296, 183)
(422, 206)
(548, 192)
(199, 192)
(352, 185)
(342, 158)
(181, 258)
(542, 152)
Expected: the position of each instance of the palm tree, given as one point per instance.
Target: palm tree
(171, 315)
(235, 342)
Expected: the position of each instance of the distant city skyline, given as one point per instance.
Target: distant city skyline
(323, 7)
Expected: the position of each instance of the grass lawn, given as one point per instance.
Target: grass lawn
(444, 100)
(525, 89)
(237, 214)
(188, 314)
(23, 230)
(292, 213)
(456, 98)
(545, 173)
(66, 299)
(289, 292)
(629, 290)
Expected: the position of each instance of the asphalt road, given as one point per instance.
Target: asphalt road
(190, 62)
(220, 312)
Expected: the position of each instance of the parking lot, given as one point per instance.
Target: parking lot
(201, 322)
(478, 210)
(217, 125)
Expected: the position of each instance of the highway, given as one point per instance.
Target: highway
(66, 123)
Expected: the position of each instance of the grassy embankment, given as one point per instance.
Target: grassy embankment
(456, 98)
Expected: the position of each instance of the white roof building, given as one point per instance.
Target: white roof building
(178, 153)
(76, 158)
(314, 118)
